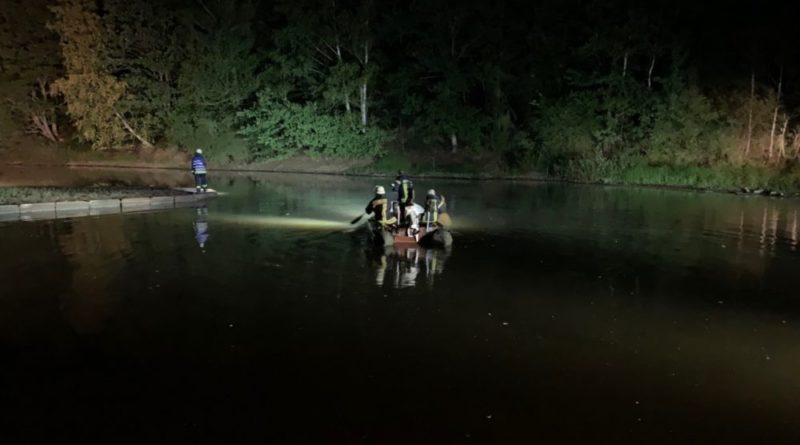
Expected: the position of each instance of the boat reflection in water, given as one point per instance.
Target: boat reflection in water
(404, 264)
(200, 226)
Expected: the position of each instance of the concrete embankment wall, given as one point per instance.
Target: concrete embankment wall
(72, 209)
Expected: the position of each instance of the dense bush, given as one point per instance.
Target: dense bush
(567, 129)
(218, 139)
(282, 128)
(598, 134)
(687, 131)
(578, 91)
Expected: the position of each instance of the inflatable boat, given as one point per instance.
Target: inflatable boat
(428, 235)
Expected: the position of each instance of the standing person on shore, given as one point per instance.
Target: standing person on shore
(199, 170)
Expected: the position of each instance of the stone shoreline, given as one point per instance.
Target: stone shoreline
(72, 209)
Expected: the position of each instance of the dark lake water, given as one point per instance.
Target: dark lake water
(562, 313)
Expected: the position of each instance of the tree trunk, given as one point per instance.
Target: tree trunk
(775, 117)
(132, 132)
(796, 145)
(203, 5)
(625, 64)
(364, 113)
(452, 40)
(41, 125)
(339, 58)
(782, 140)
(650, 72)
(750, 114)
(39, 121)
(453, 143)
(43, 88)
(364, 104)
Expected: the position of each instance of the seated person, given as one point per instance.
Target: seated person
(412, 220)
(380, 207)
(436, 209)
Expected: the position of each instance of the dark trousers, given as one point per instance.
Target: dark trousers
(401, 211)
(200, 181)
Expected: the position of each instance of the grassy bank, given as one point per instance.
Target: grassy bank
(717, 178)
(32, 195)
(447, 165)
(442, 164)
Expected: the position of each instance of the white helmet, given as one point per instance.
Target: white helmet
(379, 190)
(199, 151)
(431, 192)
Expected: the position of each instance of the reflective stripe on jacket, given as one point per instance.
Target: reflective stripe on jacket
(435, 205)
(378, 206)
(198, 164)
(405, 189)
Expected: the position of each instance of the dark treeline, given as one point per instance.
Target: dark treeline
(616, 90)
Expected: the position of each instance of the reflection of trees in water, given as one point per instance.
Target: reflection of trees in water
(33, 276)
(93, 247)
(403, 265)
(777, 225)
(689, 226)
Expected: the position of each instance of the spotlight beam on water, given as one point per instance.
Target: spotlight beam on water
(316, 224)
(282, 222)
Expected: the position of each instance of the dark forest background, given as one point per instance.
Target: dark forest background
(684, 92)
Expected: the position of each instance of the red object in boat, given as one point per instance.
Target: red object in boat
(401, 236)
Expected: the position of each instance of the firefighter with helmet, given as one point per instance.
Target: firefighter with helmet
(199, 170)
(379, 206)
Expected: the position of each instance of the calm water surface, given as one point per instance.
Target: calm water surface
(561, 313)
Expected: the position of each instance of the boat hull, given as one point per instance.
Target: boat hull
(435, 237)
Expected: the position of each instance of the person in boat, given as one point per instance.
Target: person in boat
(436, 209)
(379, 206)
(405, 193)
(199, 170)
(411, 222)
